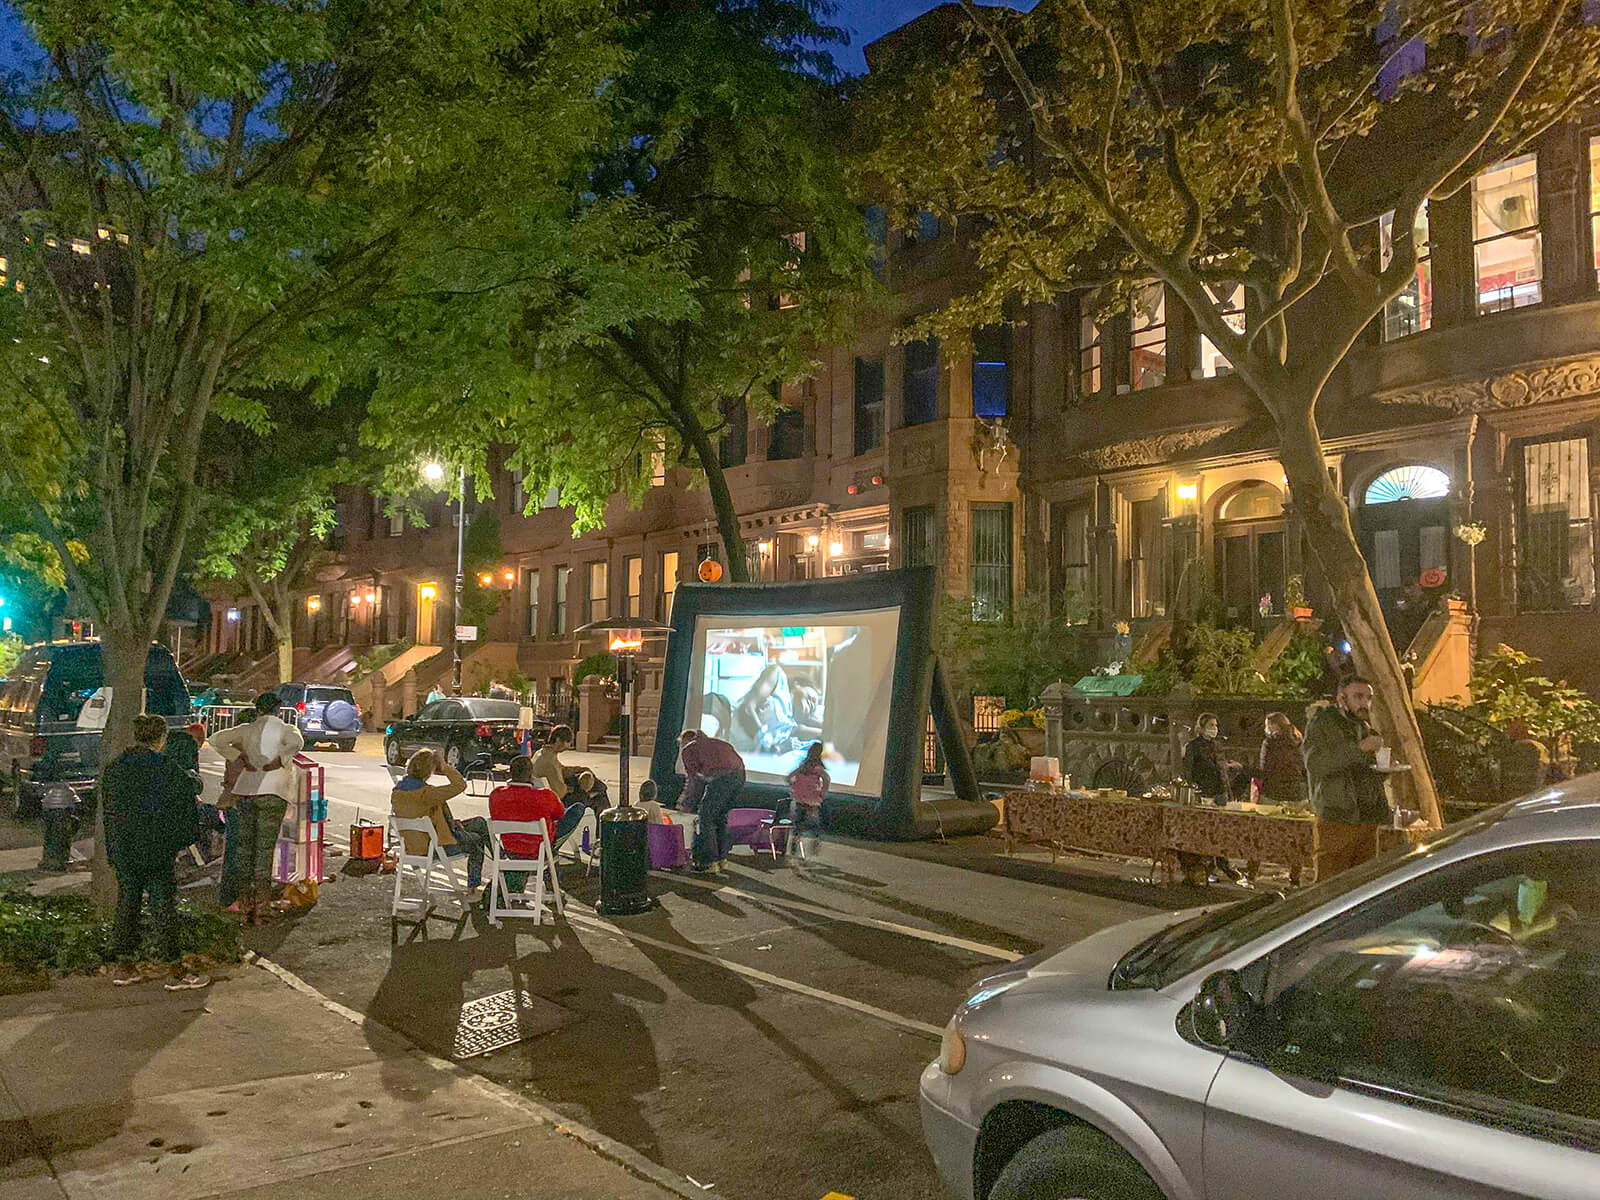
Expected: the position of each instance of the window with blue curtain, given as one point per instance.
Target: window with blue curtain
(991, 372)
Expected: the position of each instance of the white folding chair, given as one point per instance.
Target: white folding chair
(791, 838)
(580, 850)
(423, 867)
(502, 901)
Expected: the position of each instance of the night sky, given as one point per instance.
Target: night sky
(865, 19)
(868, 20)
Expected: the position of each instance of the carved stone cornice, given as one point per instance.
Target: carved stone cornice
(1148, 451)
(1520, 388)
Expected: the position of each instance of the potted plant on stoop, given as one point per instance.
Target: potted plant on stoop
(1294, 598)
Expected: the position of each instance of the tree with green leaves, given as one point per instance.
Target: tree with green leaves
(1092, 144)
(194, 200)
(708, 249)
(271, 495)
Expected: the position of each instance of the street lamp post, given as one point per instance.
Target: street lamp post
(434, 472)
(624, 829)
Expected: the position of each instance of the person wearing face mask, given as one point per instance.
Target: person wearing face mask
(1346, 792)
(1204, 766)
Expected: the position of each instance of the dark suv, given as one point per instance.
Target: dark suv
(322, 712)
(41, 738)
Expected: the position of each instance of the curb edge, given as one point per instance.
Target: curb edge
(608, 1147)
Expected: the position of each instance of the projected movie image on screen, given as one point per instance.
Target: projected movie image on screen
(773, 689)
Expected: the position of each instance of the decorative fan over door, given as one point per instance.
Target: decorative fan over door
(1403, 525)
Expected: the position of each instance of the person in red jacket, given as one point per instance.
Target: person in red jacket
(524, 800)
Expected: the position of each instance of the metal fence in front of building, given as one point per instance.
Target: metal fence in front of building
(986, 713)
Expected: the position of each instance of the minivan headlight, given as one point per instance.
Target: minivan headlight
(952, 1049)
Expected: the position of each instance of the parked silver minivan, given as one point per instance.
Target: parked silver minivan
(1424, 1026)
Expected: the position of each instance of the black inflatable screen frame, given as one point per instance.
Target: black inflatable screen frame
(896, 811)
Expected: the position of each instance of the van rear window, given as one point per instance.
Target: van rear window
(328, 695)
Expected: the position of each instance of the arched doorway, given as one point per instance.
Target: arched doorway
(1403, 524)
(1249, 539)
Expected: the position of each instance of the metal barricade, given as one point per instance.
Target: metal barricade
(217, 717)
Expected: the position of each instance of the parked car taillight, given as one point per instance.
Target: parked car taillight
(301, 707)
(36, 746)
(483, 730)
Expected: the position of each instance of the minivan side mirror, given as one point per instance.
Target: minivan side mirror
(1219, 1013)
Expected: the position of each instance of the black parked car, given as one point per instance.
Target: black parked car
(463, 730)
(322, 713)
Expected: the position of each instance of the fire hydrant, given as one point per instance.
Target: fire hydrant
(57, 804)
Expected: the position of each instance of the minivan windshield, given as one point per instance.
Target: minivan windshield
(1188, 945)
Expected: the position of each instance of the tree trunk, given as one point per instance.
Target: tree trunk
(1333, 541)
(123, 654)
(285, 657)
(721, 499)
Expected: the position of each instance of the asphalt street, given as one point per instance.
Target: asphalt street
(761, 1034)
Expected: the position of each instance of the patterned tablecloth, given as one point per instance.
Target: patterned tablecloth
(1154, 830)
(1064, 820)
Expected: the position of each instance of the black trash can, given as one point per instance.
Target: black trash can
(624, 862)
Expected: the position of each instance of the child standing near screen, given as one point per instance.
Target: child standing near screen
(808, 787)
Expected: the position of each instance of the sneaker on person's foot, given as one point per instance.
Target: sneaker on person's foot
(189, 983)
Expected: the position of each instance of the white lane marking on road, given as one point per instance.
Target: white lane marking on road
(926, 935)
(583, 919)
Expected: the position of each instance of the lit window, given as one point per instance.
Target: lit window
(1229, 301)
(1090, 344)
(633, 572)
(1412, 310)
(596, 591)
(1505, 235)
(667, 576)
(1594, 205)
(1147, 350)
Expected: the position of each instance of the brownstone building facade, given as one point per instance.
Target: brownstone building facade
(1103, 464)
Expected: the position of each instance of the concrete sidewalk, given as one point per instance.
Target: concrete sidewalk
(254, 1088)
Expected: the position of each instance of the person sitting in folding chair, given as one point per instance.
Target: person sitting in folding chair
(523, 799)
(414, 796)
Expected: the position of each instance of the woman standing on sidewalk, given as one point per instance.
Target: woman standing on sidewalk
(266, 748)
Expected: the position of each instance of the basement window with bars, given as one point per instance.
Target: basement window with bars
(1555, 526)
(991, 562)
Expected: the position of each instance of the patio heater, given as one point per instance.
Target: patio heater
(624, 829)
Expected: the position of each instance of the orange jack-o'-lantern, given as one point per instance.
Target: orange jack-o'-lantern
(710, 571)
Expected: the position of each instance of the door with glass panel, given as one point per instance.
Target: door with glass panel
(1404, 528)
